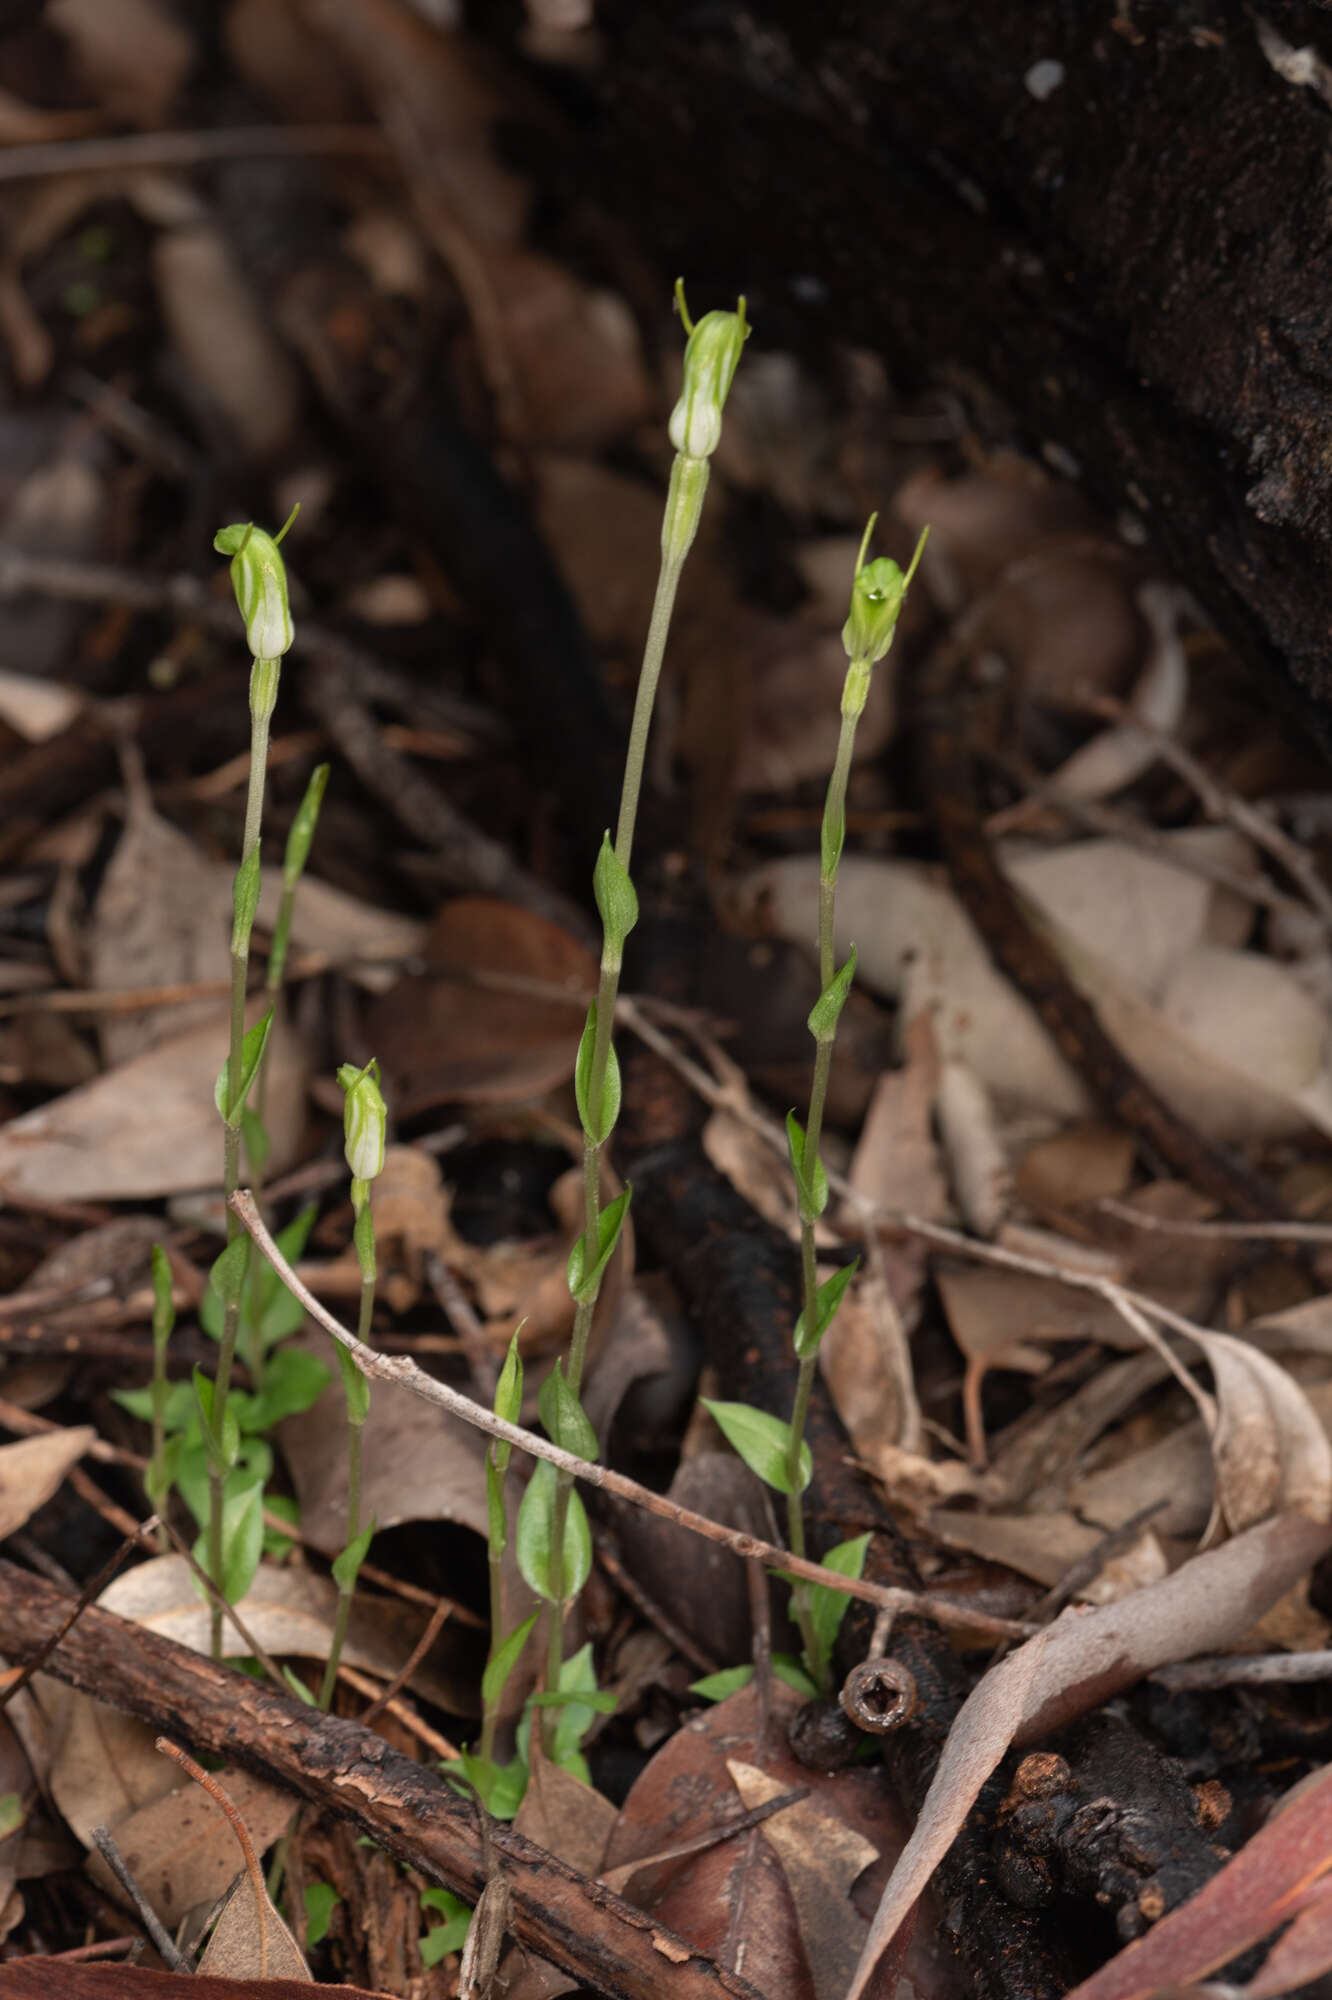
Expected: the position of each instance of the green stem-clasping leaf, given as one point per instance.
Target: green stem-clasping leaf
(812, 1193)
(534, 1539)
(762, 1441)
(231, 1103)
(164, 1306)
(244, 902)
(827, 1009)
(508, 1403)
(585, 1281)
(617, 901)
(567, 1423)
(610, 1089)
(355, 1388)
(503, 1661)
(826, 1301)
(497, 1525)
(347, 1566)
(225, 1448)
(242, 1535)
(827, 1608)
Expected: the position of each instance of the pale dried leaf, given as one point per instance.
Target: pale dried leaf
(865, 1359)
(896, 1161)
(37, 709)
(224, 340)
(104, 1765)
(367, 943)
(821, 1857)
(565, 1816)
(132, 54)
(148, 1127)
(754, 1170)
(1116, 756)
(977, 1163)
(250, 1940)
(290, 1612)
(1269, 1447)
(1076, 1664)
(162, 918)
(32, 1469)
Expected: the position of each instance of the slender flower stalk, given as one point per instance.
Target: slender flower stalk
(877, 593)
(157, 1479)
(712, 355)
(365, 1122)
(508, 1404)
(255, 1128)
(259, 579)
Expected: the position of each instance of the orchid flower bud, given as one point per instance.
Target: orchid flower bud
(711, 358)
(877, 591)
(364, 1123)
(259, 579)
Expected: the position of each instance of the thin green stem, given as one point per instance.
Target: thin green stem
(231, 1151)
(347, 1592)
(686, 495)
(834, 828)
(490, 1712)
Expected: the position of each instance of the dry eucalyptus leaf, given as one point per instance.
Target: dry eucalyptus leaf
(821, 1857)
(181, 1851)
(250, 1940)
(133, 54)
(366, 943)
(104, 1765)
(444, 1037)
(896, 1162)
(865, 1359)
(32, 1469)
(977, 1163)
(148, 1127)
(37, 709)
(290, 1612)
(162, 918)
(1115, 757)
(1269, 1447)
(565, 1816)
(1079, 1662)
(224, 339)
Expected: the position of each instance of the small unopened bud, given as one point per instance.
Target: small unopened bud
(877, 592)
(259, 579)
(711, 358)
(364, 1121)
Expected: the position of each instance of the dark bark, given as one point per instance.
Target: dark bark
(1135, 261)
(595, 1936)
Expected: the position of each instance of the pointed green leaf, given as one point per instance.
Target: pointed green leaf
(826, 1301)
(244, 903)
(762, 1441)
(716, 1687)
(164, 1310)
(585, 1283)
(610, 1092)
(508, 1402)
(826, 1011)
(355, 1388)
(828, 1608)
(347, 1566)
(294, 1380)
(231, 1103)
(565, 1419)
(616, 898)
(534, 1539)
(254, 1138)
(321, 1899)
(227, 1277)
(503, 1661)
(497, 1524)
(788, 1668)
(811, 1192)
(242, 1535)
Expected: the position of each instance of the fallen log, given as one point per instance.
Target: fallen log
(1115, 218)
(595, 1936)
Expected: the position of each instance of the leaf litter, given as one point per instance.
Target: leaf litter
(1000, 1411)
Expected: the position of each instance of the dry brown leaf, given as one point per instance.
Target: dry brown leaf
(865, 1359)
(181, 1851)
(1078, 1166)
(162, 917)
(32, 1469)
(250, 1940)
(148, 1127)
(978, 1168)
(575, 354)
(822, 1857)
(1269, 1448)
(896, 1161)
(133, 55)
(565, 1816)
(754, 1170)
(224, 340)
(291, 1614)
(1118, 755)
(443, 1037)
(1079, 1662)
(104, 1765)
(366, 943)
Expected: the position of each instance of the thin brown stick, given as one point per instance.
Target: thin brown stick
(1236, 1232)
(215, 1792)
(402, 1370)
(414, 1659)
(131, 152)
(88, 1595)
(415, 1725)
(1247, 1670)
